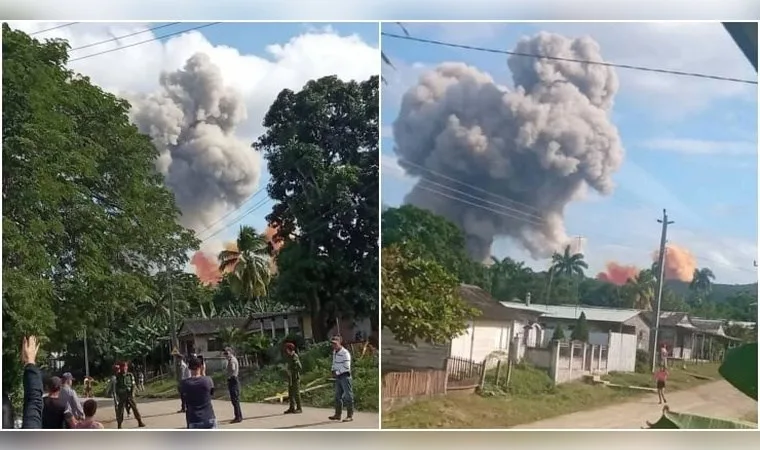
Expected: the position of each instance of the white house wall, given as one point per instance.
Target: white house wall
(481, 339)
(622, 352)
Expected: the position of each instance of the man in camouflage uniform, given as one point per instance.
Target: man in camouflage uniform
(125, 388)
(294, 379)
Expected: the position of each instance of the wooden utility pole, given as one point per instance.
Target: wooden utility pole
(660, 282)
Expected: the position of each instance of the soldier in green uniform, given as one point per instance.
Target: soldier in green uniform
(294, 379)
(125, 387)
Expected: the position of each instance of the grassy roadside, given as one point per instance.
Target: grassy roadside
(533, 397)
(271, 381)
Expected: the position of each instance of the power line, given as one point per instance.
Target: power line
(557, 58)
(157, 38)
(250, 210)
(528, 219)
(473, 187)
(57, 27)
(117, 38)
(229, 213)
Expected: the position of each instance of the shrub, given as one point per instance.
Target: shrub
(642, 361)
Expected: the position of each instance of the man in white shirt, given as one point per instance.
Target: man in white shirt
(184, 374)
(341, 370)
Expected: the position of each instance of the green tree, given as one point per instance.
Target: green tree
(701, 284)
(580, 330)
(566, 265)
(86, 217)
(249, 265)
(509, 279)
(559, 334)
(421, 300)
(640, 291)
(428, 236)
(321, 147)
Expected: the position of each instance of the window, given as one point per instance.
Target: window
(215, 345)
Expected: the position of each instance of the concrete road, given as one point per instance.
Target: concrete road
(163, 414)
(716, 399)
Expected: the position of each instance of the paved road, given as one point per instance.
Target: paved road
(716, 399)
(163, 414)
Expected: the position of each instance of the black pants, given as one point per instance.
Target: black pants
(182, 400)
(233, 386)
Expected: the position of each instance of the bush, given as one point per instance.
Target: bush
(271, 381)
(642, 361)
(559, 334)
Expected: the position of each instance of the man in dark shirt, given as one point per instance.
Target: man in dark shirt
(55, 413)
(198, 391)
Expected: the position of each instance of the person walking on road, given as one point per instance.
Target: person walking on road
(125, 391)
(111, 392)
(198, 391)
(70, 398)
(341, 371)
(294, 379)
(233, 384)
(661, 376)
(664, 355)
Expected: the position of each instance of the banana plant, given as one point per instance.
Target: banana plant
(739, 368)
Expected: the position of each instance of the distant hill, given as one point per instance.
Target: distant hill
(720, 292)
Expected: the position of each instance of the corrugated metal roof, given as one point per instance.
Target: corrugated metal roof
(489, 308)
(593, 313)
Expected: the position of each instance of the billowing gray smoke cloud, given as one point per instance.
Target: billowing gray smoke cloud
(192, 120)
(532, 150)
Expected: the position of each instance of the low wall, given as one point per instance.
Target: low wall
(539, 356)
(567, 361)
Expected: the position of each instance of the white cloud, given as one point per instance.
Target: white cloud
(290, 64)
(702, 147)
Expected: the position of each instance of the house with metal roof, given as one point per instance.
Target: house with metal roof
(622, 331)
(493, 330)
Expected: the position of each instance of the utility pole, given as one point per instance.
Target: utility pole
(86, 356)
(172, 319)
(660, 282)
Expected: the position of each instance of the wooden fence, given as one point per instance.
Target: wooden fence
(460, 374)
(397, 385)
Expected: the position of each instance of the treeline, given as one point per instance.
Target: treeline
(416, 237)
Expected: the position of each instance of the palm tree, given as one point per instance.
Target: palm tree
(232, 336)
(640, 290)
(701, 283)
(249, 265)
(565, 264)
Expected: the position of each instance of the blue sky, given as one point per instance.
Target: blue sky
(257, 60)
(691, 144)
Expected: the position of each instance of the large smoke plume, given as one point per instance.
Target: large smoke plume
(532, 149)
(192, 120)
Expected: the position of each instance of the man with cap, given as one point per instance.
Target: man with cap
(294, 379)
(125, 389)
(233, 385)
(70, 398)
(56, 415)
(341, 371)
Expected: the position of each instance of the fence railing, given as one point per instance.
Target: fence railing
(463, 373)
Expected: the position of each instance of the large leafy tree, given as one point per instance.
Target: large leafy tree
(86, 218)
(321, 147)
(421, 300)
(566, 265)
(248, 265)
